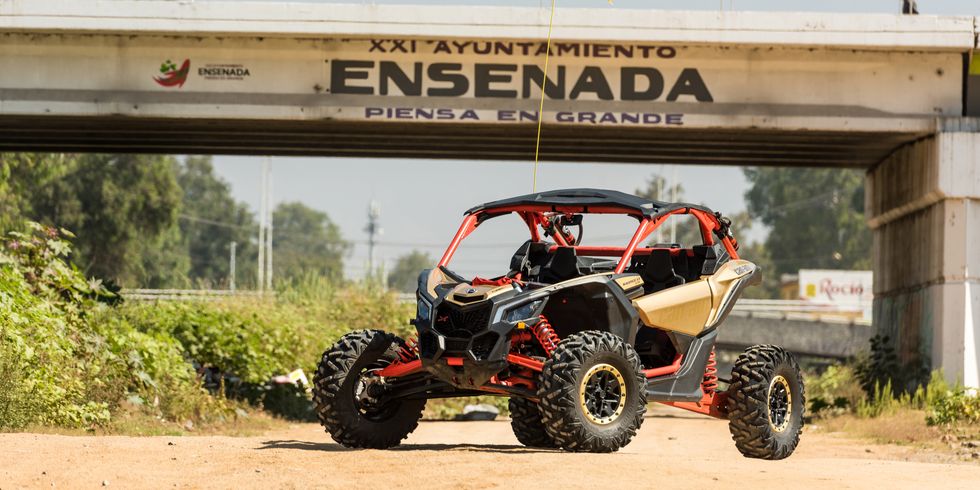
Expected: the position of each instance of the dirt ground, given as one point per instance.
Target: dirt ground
(673, 450)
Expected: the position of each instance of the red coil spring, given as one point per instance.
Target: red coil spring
(546, 335)
(710, 382)
(409, 351)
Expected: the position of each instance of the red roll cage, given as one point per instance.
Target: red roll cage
(542, 216)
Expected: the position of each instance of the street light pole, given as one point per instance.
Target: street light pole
(373, 229)
(260, 285)
(268, 238)
(231, 266)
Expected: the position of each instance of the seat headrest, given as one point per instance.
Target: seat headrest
(659, 266)
(536, 253)
(563, 265)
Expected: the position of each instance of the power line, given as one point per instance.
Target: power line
(196, 219)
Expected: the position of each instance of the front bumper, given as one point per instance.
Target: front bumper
(460, 345)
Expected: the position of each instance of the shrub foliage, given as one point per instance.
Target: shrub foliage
(73, 355)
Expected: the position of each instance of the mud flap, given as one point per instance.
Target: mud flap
(377, 348)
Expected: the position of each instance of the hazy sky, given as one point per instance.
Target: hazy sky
(413, 216)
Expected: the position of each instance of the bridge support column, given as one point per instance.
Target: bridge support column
(923, 204)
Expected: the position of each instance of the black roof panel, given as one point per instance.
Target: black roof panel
(583, 197)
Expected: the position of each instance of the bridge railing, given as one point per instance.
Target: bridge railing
(189, 294)
(760, 308)
(801, 310)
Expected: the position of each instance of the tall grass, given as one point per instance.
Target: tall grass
(839, 390)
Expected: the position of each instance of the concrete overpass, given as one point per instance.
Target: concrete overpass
(891, 94)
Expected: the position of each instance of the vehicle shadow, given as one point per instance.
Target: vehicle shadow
(334, 447)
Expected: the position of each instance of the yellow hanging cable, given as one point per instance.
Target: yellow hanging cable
(544, 85)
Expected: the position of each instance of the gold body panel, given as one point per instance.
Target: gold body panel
(436, 277)
(691, 308)
(465, 294)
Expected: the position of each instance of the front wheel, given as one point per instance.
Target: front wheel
(766, 403)
(592, 392)
(345, 389)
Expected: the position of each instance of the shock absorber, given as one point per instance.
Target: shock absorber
(546, 335)
(409, 351)
(710, 382)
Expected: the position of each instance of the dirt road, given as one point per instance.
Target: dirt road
(673, 450)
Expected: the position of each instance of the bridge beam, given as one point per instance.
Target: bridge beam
(923, 204)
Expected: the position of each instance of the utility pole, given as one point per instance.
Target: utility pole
(260, 284)
(268, 237)
(231, 266)
(373, 230)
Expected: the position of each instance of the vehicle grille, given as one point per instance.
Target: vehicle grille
(484, 344)
(462, 323)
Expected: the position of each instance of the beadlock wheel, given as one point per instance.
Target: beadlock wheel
(592, 393)
(780, 403)
(602, 394)
(766, 403)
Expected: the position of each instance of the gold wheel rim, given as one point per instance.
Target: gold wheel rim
(780, 383)
(587, 394)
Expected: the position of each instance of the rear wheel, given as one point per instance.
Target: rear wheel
(766, 403)
(593, 393)
(345, 391)
(525, 420)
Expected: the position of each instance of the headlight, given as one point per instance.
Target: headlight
(424, 311)
(523, 312)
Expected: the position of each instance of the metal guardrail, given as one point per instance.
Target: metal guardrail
(190, 294)
(785, 309)
(799, 310)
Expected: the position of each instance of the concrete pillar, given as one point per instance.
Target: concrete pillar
(923, 205)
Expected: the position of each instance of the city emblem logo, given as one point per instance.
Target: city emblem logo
(172, 76)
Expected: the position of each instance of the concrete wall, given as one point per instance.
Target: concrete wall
(806, 337)
(923, 204)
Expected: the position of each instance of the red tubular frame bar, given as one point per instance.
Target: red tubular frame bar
(712, 404)
(469, 224)
(525, 361)
(664, 370)
(533, 217)
(399, 368)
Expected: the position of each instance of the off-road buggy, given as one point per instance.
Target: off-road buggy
(579, 337)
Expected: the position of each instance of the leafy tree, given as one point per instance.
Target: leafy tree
(210, 221)
(404, 276)
(26, 178)
(815, 216)
(305, 241)
(121, 207)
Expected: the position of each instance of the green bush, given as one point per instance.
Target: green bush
(951, 405)
(42, 301)
(71, 357)
(836, 390)
(840, 390)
